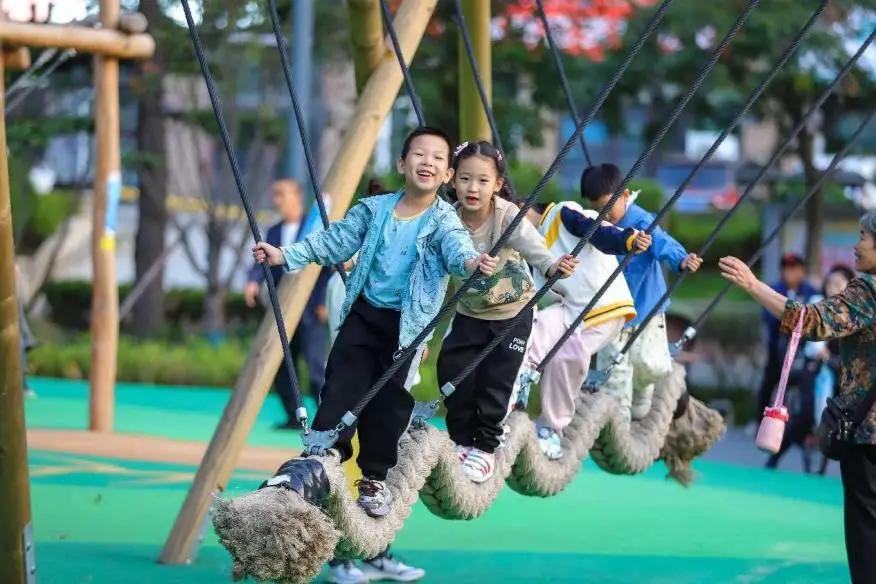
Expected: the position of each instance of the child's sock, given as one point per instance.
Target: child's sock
(374, 497)
(479, 465)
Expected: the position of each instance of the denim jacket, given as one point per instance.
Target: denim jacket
(443, 247)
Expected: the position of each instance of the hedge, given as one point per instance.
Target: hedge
(70, 302)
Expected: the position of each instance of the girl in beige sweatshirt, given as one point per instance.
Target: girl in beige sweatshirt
(479, 404)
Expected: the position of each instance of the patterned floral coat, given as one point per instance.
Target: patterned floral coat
(850, 317)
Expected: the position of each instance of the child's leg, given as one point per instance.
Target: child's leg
(494, 381)
(566, 372)
(620, 381)
(465, 338)
(353, 365)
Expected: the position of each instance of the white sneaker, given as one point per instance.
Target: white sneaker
(550, 444)
(386, 567)
(346, 573)
(462, 452)
(479, 466)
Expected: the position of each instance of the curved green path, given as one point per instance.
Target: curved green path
(100, 521)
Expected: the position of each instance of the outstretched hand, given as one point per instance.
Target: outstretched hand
(265, 253)
(566, 266)
(691, 263)
(737, 272)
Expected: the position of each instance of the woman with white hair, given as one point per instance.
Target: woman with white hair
(850, 317)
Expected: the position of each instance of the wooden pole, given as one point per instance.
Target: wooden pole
(261, 366)
(473, 123)
(17, 58)
(104, 41)
(16, 545)
(107, 192)
(367, 39)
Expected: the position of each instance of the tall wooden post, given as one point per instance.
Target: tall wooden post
(16, 543)
(265, 357)
(367, 38)
(107, 192)
(473, 123)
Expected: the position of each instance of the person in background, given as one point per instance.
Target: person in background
(794, 286)
(822, 357)
(309, 340)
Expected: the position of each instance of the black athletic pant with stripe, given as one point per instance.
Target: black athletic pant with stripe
(362, 352)
(476, 409)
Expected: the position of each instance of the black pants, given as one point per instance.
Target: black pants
(476, 409)
(859, 497)
(772, 373)
(363, 350)
(309, 342)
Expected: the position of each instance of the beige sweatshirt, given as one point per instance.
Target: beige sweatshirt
(503, 295)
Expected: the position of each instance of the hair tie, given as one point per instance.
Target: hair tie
(459, 149)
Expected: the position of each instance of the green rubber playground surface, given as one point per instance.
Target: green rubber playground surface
(101, 521)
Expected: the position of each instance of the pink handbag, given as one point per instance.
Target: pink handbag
(775, 418)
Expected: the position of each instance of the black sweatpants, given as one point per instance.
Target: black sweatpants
(362, 352)
(309, 341)
(476, 409)
(858, 472)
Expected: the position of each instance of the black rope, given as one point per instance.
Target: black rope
(402, 355)
(755, 95)
(773, 159)
(406, 73)
(300, 411)
(757, 255)
(503, 332)
(564, 81)
(299, 118)
(16, 96)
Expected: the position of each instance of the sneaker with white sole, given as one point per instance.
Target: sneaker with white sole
(550, 443)
(346, 573)
(387, 567)
(479, 466)
(462, 452)
(374, 497)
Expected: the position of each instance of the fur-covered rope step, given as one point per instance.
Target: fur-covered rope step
(303, 515)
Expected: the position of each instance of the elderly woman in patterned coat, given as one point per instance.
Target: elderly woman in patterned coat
(850, 317)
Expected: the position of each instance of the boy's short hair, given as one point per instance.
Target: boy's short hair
(426, 131)
(539, 207)
(600, 180)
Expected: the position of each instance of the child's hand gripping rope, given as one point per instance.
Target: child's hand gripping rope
(484, 262)
(642, 241)
(691, 263)
(566, 265)
(266, 253)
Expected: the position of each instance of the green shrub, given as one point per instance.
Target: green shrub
(70, 302)
(194, 363)
(525, 176)
(740, 237)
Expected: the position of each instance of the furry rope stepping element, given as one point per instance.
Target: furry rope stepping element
(305, 514)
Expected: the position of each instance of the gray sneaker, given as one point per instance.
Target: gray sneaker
(387, 567)
(374, 497)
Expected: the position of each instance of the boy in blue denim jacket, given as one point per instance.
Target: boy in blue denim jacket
(409, 244)
(632, 381)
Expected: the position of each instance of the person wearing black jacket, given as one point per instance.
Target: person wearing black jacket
(310, 339)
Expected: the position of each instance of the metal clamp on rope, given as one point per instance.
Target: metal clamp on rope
(301, 416)
(423, 412)
(319, 442)
(676, 347)
(596, 379)
(526, 379)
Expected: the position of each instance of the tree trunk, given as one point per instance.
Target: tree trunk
(814, 206)
(148, 312)
(214, 301)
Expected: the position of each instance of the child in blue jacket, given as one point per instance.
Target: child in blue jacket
(409, 244)
(632, 380)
